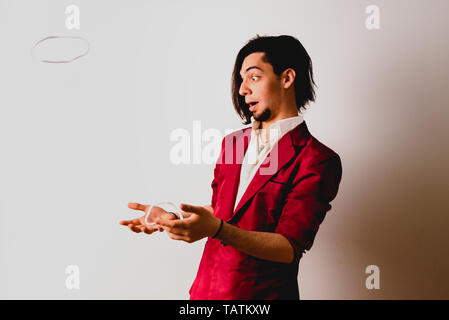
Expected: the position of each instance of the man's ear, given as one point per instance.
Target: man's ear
(288, 78)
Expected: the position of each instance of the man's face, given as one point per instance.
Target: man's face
(260, 86)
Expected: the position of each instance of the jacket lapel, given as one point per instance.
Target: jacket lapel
(234, 151)
(285, 150)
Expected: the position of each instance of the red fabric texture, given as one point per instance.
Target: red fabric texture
(292, 200)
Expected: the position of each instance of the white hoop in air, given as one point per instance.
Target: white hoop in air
(61, 37)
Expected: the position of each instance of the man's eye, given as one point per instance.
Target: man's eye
(252, 78)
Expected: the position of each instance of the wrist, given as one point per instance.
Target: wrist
(218, 228)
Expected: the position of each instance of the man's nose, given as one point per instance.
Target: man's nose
(244, 89)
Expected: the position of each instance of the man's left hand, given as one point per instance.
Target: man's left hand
(200, 224)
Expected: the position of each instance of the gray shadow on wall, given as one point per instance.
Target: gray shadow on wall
(399, 188)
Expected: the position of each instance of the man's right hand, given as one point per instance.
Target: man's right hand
(138, 225)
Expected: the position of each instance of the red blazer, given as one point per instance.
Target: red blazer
(292, 200)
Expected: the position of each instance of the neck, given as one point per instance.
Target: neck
(289, 113)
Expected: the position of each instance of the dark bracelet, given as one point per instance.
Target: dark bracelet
(219, 229)
(176, 216)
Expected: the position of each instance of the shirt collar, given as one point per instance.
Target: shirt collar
(281, 126)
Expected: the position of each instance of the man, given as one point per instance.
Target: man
(269, 199)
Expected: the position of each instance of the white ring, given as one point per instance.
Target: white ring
(160, 204)
(62, 37)
(146, 216)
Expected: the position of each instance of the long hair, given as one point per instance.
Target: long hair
(282, 52)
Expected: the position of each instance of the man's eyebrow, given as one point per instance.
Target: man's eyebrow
(252, 67)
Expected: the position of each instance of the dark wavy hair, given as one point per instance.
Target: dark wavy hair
(282, 52)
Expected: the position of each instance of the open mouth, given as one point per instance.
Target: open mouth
(253, 105)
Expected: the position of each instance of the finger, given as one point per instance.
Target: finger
(177, 231)
(134, 228)
(148, 230)
(127, 222)
(190, 208)
(176, 237)
(171, 223)
(137, 206)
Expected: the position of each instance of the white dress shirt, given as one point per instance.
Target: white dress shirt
(260, 145)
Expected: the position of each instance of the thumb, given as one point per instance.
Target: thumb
(137, 206)
(193, 209)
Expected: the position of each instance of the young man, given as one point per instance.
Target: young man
(268, 200)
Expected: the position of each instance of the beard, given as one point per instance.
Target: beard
(264, 116)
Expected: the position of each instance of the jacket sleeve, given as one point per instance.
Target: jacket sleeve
(214, 188)
(314, 187)
(220, 160)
